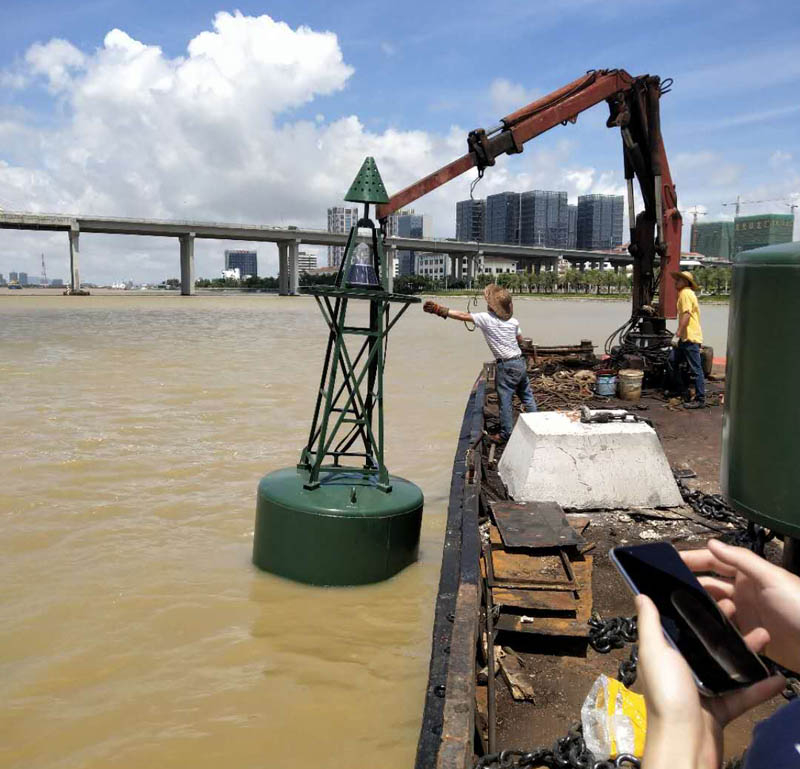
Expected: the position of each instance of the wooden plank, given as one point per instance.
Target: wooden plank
(519, 682)
(521, 622)
(527, 567)
(540, 600)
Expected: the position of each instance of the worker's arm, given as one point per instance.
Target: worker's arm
(456, 315)
(683, 322)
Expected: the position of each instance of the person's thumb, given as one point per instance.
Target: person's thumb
(648, 624)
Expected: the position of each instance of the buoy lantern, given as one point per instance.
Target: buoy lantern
(339, 517)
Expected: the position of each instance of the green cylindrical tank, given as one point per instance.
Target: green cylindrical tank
(346, 532)
(760, 470)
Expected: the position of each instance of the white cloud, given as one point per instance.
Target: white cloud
(507, 97)
(58, 60)
(779, 159)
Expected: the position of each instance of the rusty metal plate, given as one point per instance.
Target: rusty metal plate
(534, 525)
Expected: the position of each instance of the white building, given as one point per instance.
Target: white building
(232, 274)
(438, 266)
(340, 219)
(306, 261)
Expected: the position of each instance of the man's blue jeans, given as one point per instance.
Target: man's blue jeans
(690, 352)
(512, 377)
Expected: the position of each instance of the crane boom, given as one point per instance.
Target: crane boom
(634, 108)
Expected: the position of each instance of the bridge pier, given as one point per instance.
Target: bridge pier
(74, 255)
(294, 267)
(283, 268)
(187, 264)
(391, 260)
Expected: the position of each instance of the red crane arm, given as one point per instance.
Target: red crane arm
(634, 105)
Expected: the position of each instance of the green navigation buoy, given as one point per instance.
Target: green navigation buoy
(326, 521)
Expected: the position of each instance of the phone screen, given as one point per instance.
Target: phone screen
(710, 644)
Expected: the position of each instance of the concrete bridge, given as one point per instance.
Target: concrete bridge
(464, 256)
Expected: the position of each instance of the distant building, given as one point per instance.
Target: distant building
(760, 230)
(245, 261)
(543, 218)
(712, 239)
(57, 282)
(572, 226)
(431, 265)
(502, 217)
(411, 226)
(306, 261)
(340, 219)
(2, 280)
(599, 222)
(471, 220)
(23, 278)
(13, 277)
(232, 273)
(393, 219)
(496, 265)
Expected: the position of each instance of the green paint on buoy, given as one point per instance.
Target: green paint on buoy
(346, 532)
(326, 522)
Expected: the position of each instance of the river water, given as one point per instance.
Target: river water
(134, 630)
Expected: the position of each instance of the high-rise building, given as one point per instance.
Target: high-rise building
(2, 280)
(543, 218)
(23, 278)
(306, 261)
(57, 282)
(599, 225)
(13, 277)
(502, 217)
(393, 219)
(471, 220)
(760, 230)
(572, 226)
(243, 260)
(713, 239)
(340, 219)
(411, 226)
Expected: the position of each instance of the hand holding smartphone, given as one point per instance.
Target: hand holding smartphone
(692, 622)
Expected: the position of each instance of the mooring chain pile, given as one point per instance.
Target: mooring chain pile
(568, 752)
(715, 507)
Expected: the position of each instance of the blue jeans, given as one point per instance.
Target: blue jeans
(690, 352)
(512, 377)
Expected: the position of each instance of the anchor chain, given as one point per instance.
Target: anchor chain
(716, 508)
(569, 752)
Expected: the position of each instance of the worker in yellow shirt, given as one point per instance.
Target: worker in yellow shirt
(687, 340)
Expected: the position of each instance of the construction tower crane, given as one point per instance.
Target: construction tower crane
(695, 213)
(739, 202)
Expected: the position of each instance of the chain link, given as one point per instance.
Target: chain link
(716, 508)
(569, 752)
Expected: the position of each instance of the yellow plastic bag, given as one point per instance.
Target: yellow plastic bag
(614, 720)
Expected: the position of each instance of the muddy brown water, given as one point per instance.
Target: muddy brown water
(134, 630)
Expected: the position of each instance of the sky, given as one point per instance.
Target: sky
(263, 112)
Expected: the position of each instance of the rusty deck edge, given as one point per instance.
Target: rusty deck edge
(446, 733)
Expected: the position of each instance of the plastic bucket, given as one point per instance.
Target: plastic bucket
(606, 384)
(630, 384)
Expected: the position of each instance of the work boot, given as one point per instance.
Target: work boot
(694, 405)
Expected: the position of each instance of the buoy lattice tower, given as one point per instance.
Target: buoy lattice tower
(327, 521)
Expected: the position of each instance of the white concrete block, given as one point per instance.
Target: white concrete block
(553, 456)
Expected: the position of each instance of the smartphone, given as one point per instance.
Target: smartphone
(692, 622)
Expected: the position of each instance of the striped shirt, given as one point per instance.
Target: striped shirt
(500, 335)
